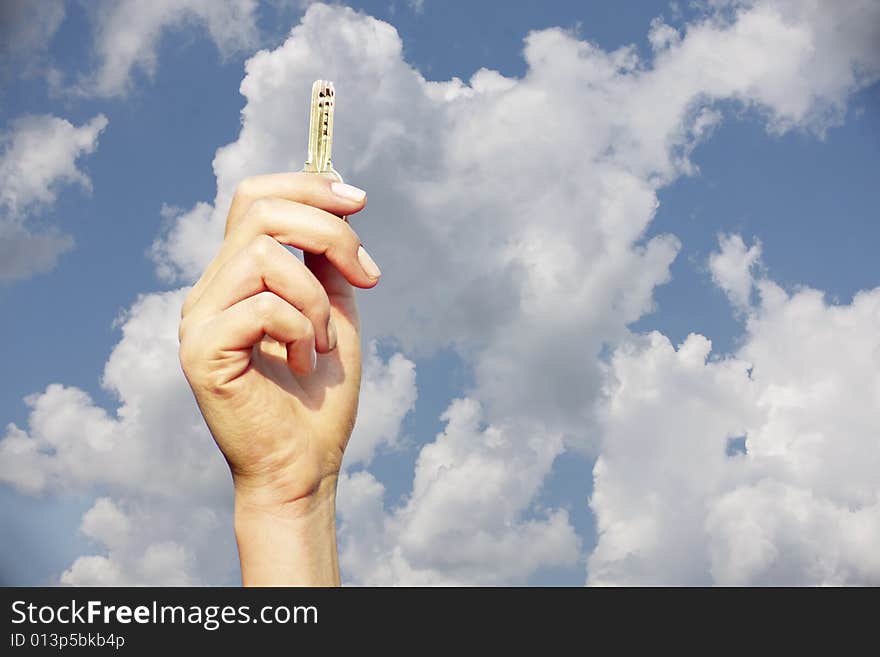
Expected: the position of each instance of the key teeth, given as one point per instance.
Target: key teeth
(320, 134)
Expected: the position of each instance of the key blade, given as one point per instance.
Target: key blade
(321, 128)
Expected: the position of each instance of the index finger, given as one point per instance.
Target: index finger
(312, 189)
(305, 227)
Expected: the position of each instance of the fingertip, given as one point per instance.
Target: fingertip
(371, 269)
(368, 285)
(353, 198)
(348, 192)
(331, 335)
(302, 357)
(354, 275)
(360, 271)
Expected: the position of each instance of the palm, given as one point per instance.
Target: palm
(280, 417)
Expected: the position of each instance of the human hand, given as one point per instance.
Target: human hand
(270, 346)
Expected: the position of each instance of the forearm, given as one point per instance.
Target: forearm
(290, 545)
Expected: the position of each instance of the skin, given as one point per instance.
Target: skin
(251, 329)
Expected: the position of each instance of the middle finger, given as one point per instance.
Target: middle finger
(266, 265)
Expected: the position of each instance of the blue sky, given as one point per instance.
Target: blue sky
(810, 199)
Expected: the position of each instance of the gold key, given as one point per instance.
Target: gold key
(321, 130)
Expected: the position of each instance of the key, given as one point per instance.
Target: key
(321, 130)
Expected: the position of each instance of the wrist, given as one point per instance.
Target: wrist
(282, 500)
(287, 542)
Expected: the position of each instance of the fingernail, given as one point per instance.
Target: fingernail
(331, 334)
(368, 263)
(348, 192)
(314, 358)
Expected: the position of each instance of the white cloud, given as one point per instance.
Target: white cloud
(732, 269)
(802, 506)
(465, 521)
(388, 393)
(26, 30)
(524, 254)
(106, 523)
(798, 59)
(72, 442)
(94, 571)
(160, 563)
(143, 547)
(127, 35)
(166, 483)
(134, 557)
(38, 156)
(529, 255)
(168, 517)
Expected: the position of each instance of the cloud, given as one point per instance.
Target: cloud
(797, 61)
(134, 556)
(24, 254)
(127, 35)
(38, 156)
(126, 38)
(525, 255)
(26, 30)
(801, 506)
(465, 520)
(156, 440)
(388, 393)
(166, 502)
(732, 269)
(167, 518)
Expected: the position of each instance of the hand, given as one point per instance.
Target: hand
(270, 346)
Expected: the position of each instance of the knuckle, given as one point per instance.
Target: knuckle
(188, 354)
(195, 363)
(354, 241)
(245, 187)
(260, 209)
(265, 304)
(319, 304)
(189, 301)
(308, 330)
(343, 239)
(262, 248)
